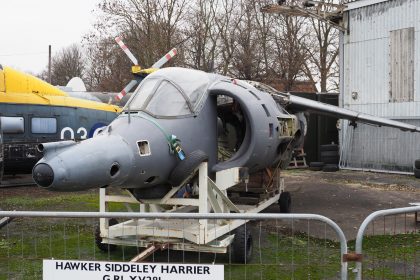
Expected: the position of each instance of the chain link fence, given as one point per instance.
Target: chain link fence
(387, 244)
(278, 251)
(397, 230)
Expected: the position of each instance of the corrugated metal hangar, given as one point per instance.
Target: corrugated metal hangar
(379, 70)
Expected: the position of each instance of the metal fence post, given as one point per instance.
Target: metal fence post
(367, 221)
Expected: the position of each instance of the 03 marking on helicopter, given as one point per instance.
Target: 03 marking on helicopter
(81, 132)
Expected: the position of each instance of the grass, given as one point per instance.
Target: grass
(291, 257)
(85, 202)
(27, 241)
(391, 256)
(21, 253)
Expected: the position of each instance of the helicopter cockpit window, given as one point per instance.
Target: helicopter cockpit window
(141, 95)
(167, 101)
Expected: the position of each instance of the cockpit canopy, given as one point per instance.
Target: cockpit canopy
(171, 92)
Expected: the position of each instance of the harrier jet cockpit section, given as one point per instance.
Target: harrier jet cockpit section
(174, 118)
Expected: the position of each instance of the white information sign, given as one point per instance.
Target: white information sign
(70, 270)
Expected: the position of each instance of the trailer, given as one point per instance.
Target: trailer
(232, 191)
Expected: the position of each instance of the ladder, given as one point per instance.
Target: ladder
(298, 160)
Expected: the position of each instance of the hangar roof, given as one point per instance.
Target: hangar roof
(355, 4)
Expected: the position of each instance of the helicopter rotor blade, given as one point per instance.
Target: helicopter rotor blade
(126, 50)
(165, 58)
(126, 90)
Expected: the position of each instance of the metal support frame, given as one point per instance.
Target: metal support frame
(319, 10)
(189, 235)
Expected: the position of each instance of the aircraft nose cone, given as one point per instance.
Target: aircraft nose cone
(43, 175)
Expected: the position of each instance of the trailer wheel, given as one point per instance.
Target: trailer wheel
(186, 166)
(241, 248)
(330, 159)
(330, 168)
(285, 202)
(316, 165)
(98, 238)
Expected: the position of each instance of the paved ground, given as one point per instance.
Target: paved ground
(347, 197)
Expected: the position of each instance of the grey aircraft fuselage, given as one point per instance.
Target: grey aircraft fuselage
(134, 151)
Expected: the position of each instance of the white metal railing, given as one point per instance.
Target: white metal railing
(369, 219)
(195, 216)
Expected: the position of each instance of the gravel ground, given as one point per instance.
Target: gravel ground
(348, 197)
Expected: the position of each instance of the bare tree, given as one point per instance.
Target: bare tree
(226, 36)
(149, 28)
(264, 26)
(246, 63)
(290, 50)
(109, 68)
(227, 22)
(322, 47)
(66, 64)
(201, 46)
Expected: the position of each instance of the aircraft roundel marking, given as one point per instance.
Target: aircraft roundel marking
(95, 129)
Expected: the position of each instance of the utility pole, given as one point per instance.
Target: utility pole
(49, 64)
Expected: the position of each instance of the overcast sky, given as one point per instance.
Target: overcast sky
(28, 27)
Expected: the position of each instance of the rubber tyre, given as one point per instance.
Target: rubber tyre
(241, 247)
(316, 164)
(285, 202)
(417, 163)
(417, 173)
(330, 160)
(328, 147)
(329, 154)
(330, 168)
(154, 192)
(98, 239)
(315, 168)
(186, 167)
